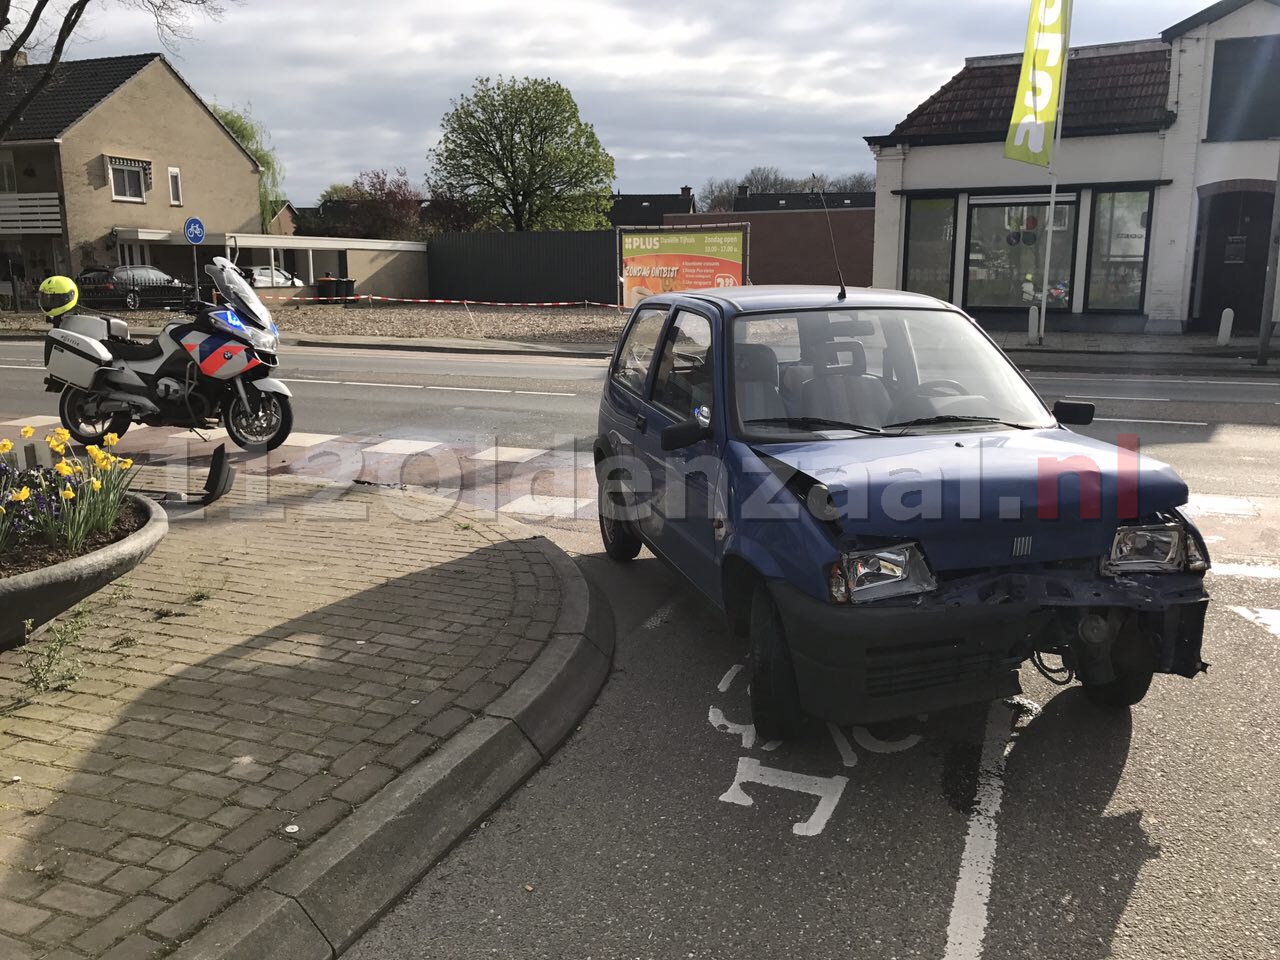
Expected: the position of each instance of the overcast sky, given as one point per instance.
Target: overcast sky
(678, 90)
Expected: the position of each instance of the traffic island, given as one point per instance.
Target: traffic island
(284, 717)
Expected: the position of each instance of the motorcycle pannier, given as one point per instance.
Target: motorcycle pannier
(75, 358)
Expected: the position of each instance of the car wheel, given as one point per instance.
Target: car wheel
(619, 537)
(1133, 660)
(132, 300)
(775, 698)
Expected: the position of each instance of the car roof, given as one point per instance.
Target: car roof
(771, 297)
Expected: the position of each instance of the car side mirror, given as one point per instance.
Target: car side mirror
(1075, 413)
(684, 434)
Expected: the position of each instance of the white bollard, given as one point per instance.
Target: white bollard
(1033, 326)
(1224, 326)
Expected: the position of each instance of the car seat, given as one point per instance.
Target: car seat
(845, 391)
(755, 380)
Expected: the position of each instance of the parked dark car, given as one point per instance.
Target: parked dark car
(133, 288)
(885, 508)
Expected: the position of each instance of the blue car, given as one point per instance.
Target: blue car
(886, 510)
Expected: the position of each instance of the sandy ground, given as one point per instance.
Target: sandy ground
(567, 324)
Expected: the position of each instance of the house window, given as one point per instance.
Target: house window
(175, 187)
(1006, 253)
(8, 173)
(130, 179)
(1245, 101)
(1118, 250)
(931, 234)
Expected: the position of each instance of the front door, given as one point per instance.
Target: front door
(680, 524)
(1235, 260)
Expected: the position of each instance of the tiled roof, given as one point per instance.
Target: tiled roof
(1124, 92)
(76, 88)
(802, 201)
(648, 209)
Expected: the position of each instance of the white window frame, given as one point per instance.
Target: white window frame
(175, 172)
(8, 172)
(124, 198)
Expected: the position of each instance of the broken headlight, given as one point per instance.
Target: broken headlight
(866, 575)
(1150, 548)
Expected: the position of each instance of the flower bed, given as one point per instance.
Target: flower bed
(52, 514)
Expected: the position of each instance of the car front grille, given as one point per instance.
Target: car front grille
(900, 668)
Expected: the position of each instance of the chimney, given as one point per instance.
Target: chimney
(686, 192)
(744, 190)
(20, 58)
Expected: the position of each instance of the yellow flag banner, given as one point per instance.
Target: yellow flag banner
(1035, 113)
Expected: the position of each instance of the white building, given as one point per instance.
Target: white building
(1167, 175)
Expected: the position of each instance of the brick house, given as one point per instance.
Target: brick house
(1167, 174)
(112, 143)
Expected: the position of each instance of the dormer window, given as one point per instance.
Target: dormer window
(129, 179)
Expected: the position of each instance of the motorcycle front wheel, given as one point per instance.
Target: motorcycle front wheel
(79, 413)
(262, 429)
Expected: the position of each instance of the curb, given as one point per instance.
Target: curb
(319, 903)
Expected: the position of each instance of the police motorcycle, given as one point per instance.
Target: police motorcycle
(214, 365)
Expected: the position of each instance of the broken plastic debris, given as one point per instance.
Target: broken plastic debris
(529, 887)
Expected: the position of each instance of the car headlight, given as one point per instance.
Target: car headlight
(866, 575)
(1154, 548)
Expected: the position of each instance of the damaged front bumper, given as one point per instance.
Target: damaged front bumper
(963, 642)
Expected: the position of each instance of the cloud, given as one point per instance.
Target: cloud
(677, 91)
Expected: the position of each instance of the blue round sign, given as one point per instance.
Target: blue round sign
(194, 230)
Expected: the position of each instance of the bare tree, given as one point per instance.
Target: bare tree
(52, 24)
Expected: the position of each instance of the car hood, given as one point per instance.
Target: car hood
(973, 500)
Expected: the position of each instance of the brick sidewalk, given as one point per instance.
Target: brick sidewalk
(269, 668)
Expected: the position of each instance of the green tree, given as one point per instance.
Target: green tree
(519, 153)
(377, 205)
(255, 139)
(717, 193)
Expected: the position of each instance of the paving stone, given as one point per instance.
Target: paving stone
(252, 831)
(365, 784)
(171, 858)
(84, 868)
(135, 947)
(188, 913)
(85, 837)
(196, 808)
(258, 862)
(76, 899)
(131, 880)
(133, 914)
(203, 866)
(148, 823)
(60, 929)
(446, 722)
(20, 919)
(136, 850)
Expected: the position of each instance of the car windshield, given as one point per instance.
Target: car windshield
(867, 371)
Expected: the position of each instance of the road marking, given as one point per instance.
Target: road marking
(747, 731)
(397, 386)
(508, 454)
(1220, 383)
(25, 366)
(727, 680)
(533, 505)
(828, 790)
(1252, 571)
(211, 434)
(33, 422)
(967, 927)
(1072, 396)
(1270, 619)
(470, 389)
(404, 448)
(309, 439)
(1213, 505)
(872, 744)
(1175, 423)
(305, 380)
(543, 393)
(847, 755)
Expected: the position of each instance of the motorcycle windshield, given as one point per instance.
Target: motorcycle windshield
(237, 292)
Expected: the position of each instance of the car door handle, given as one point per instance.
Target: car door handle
(641, 422)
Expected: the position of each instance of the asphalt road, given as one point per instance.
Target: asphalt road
(663, 829)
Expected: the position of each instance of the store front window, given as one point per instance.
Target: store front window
(1006, 254)
(931, 232)
(1118, 251)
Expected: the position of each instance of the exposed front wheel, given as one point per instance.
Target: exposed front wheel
(1133, 660)
(87, 424)
(263, 425)
(775, 698)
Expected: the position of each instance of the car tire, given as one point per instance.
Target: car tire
(775, 698)
(620, 540)
(132, 300)
(1133, 660)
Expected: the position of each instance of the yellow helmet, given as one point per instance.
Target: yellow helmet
(57, 296)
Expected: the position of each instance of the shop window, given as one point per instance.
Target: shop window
(1118, 250)
(1006, 254)
(1245, 101)
(931, 233)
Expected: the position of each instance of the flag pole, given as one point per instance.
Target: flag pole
(1053, 173)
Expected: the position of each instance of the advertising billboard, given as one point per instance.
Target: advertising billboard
(660, 261)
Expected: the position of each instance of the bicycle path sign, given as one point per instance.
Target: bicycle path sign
(193, 229)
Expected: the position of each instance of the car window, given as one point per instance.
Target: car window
(638, 349)
(152, 275)
(684, 372)
(124, 275)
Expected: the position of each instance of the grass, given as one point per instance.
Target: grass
(51, 663)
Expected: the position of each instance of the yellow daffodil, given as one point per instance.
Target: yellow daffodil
(28, 432)
(18, 496)
(63, 434)
(6, 446)
(68, 493)
(57, 447)
(2, 511)
(78, 467)
(96, 484)
(93, 451)
(110, 440)
(126, 463)
(63, 469)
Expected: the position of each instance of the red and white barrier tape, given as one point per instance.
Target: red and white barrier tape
(464, 303)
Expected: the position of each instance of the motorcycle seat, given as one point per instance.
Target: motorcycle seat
(134, 351)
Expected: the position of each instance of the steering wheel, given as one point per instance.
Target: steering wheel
(939, 388)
